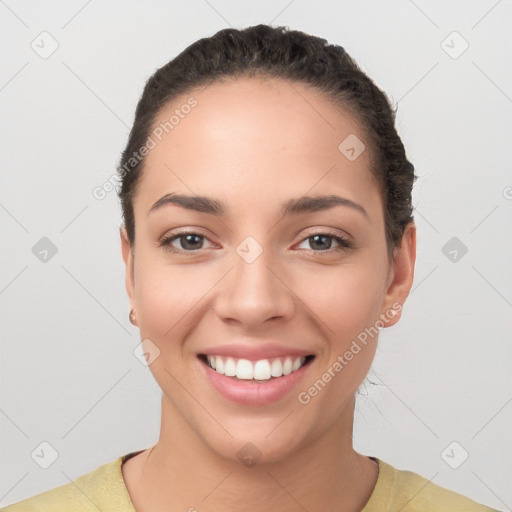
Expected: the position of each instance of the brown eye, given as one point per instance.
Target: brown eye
(323, 242)
(188, 242)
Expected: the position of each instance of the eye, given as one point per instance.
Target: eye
(322, 242)
(189, 242)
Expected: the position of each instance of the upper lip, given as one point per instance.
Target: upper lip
(254, 352)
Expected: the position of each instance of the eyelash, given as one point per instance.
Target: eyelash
(344, 243)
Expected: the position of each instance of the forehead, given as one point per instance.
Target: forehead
(256, 138)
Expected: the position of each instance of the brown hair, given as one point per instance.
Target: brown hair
(290, 55)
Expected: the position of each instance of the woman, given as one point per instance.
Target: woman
(268, 236)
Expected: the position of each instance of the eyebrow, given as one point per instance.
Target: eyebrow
(304, 204)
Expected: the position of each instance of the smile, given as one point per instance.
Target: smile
(254, 382)
(263, 369)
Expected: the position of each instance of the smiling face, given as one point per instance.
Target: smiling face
(260, 273)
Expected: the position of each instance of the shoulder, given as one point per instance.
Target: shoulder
(101, 489)
(407, 491)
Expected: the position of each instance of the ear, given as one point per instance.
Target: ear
(401, 276)
(127, 251)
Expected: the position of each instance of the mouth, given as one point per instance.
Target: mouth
(254, 382)
(261, 370)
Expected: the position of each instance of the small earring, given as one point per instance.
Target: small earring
(132, 317)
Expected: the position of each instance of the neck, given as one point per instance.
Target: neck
(180, 472)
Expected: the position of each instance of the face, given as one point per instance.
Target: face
(258, 281)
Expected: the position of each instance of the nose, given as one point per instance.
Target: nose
(253, 293)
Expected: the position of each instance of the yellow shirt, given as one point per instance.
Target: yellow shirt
(104, 490)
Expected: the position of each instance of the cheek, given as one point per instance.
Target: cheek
(346, 300)
(347, 304)
(171, 300)
(167, 295)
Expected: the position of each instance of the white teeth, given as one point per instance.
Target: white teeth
(276, 370)
(230, 367)
(296, 364)
(287, 366)
(244, 369)
(263, 369)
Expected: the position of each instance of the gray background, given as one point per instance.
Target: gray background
(69, 375)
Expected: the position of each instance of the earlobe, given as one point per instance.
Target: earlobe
(402, 273)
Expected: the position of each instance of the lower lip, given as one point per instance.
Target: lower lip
(252, 392)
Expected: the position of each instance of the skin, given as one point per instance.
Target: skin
(255, 155)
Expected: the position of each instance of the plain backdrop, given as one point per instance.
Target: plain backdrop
(441, 393)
